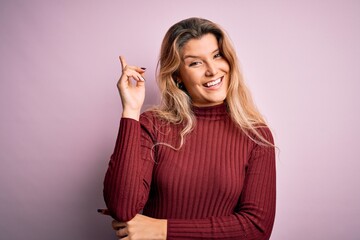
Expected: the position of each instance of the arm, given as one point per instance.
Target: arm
(128, 178)
(127, 181)
(254, 216)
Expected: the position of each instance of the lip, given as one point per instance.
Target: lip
(216, 86)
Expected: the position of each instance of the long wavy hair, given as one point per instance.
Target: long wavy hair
(176, 104)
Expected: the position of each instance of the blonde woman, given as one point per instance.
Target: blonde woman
(202, 164)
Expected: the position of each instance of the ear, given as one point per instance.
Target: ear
(176, 76)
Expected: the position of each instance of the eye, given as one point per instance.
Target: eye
(194, 64)
(218, 55)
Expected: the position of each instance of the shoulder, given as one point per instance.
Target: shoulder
(261, 135)
(151, 121)
(148, 124)
(263, 146)
(265, 132)
(149, 117)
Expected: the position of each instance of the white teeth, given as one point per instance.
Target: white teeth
(212, 83)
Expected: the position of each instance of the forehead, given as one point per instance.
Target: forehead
(205, 45)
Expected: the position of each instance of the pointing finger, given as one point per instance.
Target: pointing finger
(123, 62)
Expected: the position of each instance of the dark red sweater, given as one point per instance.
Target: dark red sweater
(219, 185)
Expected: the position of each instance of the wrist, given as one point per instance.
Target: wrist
(163, 227)
(133, 114)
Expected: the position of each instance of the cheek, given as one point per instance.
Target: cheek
(225, 66)
(192, 78)
(192, 87)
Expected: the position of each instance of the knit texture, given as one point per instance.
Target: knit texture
(219, 185)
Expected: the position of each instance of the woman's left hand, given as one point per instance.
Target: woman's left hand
(141, 227)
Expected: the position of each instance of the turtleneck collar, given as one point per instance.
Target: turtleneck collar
(212, 112)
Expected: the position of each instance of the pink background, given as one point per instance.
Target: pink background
(60, 107)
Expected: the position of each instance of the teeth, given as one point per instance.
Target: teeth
(212, 83)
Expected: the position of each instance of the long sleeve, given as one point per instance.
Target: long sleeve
(254, 215)
(219, 185)
(128, 178)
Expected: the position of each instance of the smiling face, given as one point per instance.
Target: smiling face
(204, 72)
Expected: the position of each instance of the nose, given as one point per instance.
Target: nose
(211, 69)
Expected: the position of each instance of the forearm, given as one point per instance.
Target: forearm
(241, 226)
(125, 184)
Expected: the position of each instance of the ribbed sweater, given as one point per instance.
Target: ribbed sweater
(219, 185)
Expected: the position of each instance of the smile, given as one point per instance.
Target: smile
(213, 83)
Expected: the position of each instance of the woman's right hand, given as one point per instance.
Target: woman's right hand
(132, 93)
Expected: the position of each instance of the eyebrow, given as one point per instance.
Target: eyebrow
(193, 56)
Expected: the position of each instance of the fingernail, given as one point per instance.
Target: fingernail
(142, 78)
(143, 68)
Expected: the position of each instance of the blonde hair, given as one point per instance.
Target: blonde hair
(176, 104)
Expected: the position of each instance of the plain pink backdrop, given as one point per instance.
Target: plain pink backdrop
(60, 108)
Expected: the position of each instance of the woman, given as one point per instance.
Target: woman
(202, 164)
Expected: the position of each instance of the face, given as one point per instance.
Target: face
(204, 72)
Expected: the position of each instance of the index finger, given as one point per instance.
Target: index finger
(123, 62)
